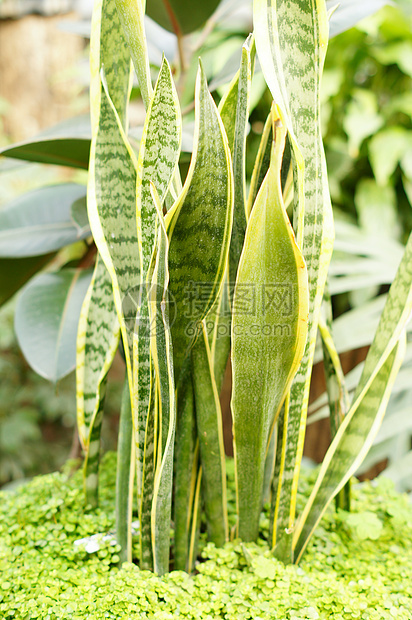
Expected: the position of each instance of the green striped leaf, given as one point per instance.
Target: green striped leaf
(361, 424)
(349, 447)
(234, 110)
(97, 340)
(131, 13)
(111, 189)
(158, 158)
(186, 469)
(161, 345)
(124, 477)
(210, 434)
(199, 225)
(291, 41)
(269, 327)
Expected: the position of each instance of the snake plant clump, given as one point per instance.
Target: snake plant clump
(191, 271)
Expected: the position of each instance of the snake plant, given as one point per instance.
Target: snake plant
(193, 270)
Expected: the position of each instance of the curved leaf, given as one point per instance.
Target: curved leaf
(46, 320)
(39, 222)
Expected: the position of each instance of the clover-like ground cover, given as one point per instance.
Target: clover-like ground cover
(359, 565)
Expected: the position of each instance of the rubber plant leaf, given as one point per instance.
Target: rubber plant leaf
(65, 144)
(180, 16)
(39, 222)
(200, 225)
(362, 422)
(46, 319)
(97, 341)
(111, 192)
(291, 41)
(15, 272)
(269, 328)
(161, 345)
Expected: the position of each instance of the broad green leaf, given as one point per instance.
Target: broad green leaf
(210, 433)
(112, 172)
(131, 13)
(180, 16)
(291, 40)
(15, 272)
(361, 119)
(234, 110)
(350, 12)
(161, 345)
(72, 152)
(97, 341)
(199, 226)
(65, 144)
(349, 447)
(386, 149)
(269, 328)
(39, 221)
(78, 214)
(377, 209)
(46, 319)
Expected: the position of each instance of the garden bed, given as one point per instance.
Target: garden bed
(359, 565)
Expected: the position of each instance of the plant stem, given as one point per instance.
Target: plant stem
(124, 478)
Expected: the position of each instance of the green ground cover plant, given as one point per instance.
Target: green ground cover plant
(357, 566)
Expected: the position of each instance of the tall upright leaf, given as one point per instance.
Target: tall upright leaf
(210, 434)
(157, 161)
(199, 225)
(291, 41)
(269, 327)
(112, 172)
(234, 110)
(97, 341)
(131, 14)
(161, 343)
